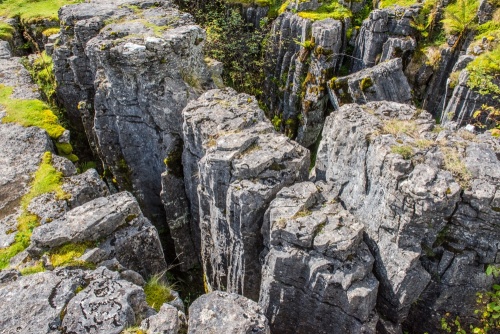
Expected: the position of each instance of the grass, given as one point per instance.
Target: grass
(65, 255)
(365, 83)
(51, 31)
(397, 127)
(157, 292)
(329, 10)
(454, 164)
(45, 180)
(133, 330)
(29, 113)
(34, 10)
(6, 31)
(404, 150)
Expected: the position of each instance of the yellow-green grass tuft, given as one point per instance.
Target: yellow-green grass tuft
(37, 268)
(157, 292)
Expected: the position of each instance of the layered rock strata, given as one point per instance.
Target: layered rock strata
(317, 275)
(421, 195)
(127, 69)
(234, 164)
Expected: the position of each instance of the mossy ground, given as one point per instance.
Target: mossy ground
(66, 255)
(45, 180)
(29, 113)
(329, 10)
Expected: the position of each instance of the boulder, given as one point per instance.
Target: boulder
(222, 312)
(383, 82)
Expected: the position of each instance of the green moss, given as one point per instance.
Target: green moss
(37, 268)
(276, 121)
(33, 11)
(6, 31)
(29, 113)
(329, 10)
(405, 151)
(365, 83)
(402, 3)
(51, 31)
(157, 292)
(46, 180)
(65, 255)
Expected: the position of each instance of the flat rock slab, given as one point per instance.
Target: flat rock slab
(90, 222)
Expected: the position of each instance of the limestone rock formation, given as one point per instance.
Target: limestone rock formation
(222, 312)
(317, 275)
(418, 193)
(383, 82)
(377, 33)
(169, 320)
(128, 68)
(302, 56)
(234, 164)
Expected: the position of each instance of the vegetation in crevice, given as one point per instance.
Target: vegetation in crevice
(45, 180)
(66, 255)
(157, 291)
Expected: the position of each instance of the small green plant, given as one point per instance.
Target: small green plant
(365, 83)
(329, 9)
(454, 164)
(157, 292)
(460, 17)
(488, 311)
(487, 117)
(302, 213)
(404, 150)
(276, 121)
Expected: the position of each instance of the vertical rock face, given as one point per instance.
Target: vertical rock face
(222, 312)
(385, 81)
(302, 56)
(378, 32)
(394, 176)
(317, 275)
(234, 164)
(135, 65)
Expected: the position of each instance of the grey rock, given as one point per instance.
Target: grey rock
(301, 56)
(168, 320)
(107, 304)
(376, 31)
(63, 165)
(134, 70)
(133, 277)
(35, 303)
(254, 15)
(397, 47)
(89, 222)
(465, 101)
(80, 189)
(414, 208)
(317, 275)
(383, 82)
(222, 312)
(234, 164)
(5, 50)
(7, 276)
